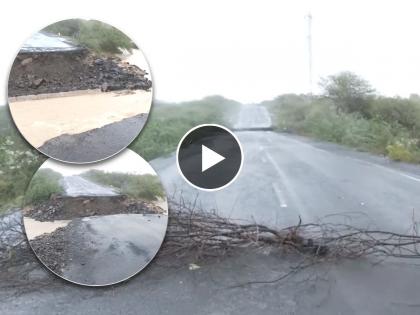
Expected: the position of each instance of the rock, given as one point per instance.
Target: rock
(26, 61)
(104, 87)
(37, 82)
(99, 62)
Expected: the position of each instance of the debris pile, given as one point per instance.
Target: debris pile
(53, 72)
(67, 208)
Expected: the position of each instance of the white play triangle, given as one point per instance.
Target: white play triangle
(209, 158)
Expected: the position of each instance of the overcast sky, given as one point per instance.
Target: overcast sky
(246, 50)
(125, 162)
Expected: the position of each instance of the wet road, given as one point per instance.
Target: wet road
(47, 42)
(76, 186)
(112, 248)
(96, 144)
(253, 117)
(285, 176)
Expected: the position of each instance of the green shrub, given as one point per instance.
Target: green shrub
(320, 118)
(399, 152)
(405, 112)
(43, 185)
(145, 186)
(18, 162)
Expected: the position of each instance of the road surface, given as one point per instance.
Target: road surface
(285, 176)
(109, 249)
(96, 144)
(76, 186)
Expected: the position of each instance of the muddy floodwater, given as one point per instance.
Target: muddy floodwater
(41, 118)
(36, 228)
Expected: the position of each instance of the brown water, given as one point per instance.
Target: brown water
(42, 119)
(35, 228)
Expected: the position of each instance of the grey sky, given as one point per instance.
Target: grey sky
(248, 50)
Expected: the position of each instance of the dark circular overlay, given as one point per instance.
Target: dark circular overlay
(221, 142)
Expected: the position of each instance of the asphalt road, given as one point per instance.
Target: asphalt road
(76, 186)
(285, 176)
(96, 144)
(109, 249)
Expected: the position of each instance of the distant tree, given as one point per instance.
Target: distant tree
(349, 92)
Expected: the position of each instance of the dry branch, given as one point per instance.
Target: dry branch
(200, 232)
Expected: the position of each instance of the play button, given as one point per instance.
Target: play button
(209, 157)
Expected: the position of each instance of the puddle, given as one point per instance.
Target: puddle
(35, 228)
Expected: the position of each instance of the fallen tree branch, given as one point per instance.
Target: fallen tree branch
(193, 230)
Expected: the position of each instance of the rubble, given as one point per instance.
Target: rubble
(67, 208)
(54, 72)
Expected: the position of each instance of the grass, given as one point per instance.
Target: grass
(43, 185)
(169, 122)
(145, 186)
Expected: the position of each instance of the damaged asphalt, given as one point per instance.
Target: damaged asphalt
(95, 144)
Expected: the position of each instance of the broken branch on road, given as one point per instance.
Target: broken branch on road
(200, 234)
(193, 230)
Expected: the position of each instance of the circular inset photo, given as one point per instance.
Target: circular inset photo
(79, 91)
(96, 224)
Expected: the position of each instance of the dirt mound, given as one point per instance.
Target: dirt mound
(37, 73)
(51, 249)
(68, 208)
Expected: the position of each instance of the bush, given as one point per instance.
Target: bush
(399, 152)
(18, 162)
(43, 185)
(145, 186)
(404, 112)
(381, 134)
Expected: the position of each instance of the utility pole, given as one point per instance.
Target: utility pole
(309, 41)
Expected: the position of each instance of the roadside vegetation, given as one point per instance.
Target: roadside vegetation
(95, 35)
(145, 186)
(43, 185)
(169, 122)
(350, 113)
(18, 163)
